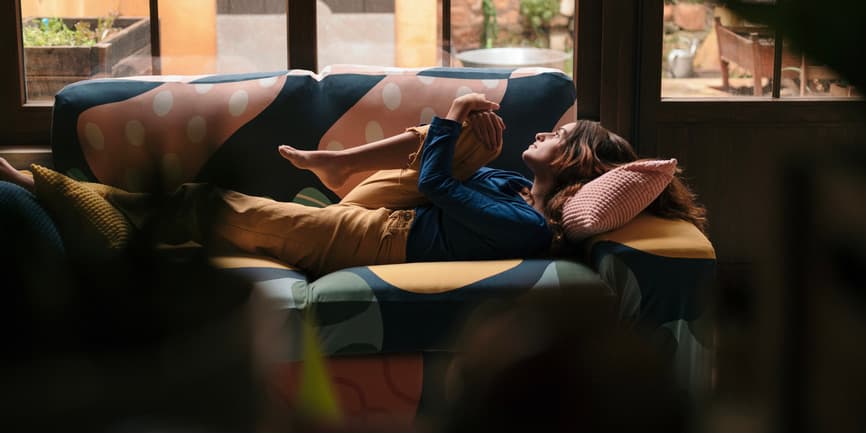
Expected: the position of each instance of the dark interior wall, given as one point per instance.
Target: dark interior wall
(771, 277)
(737, 169)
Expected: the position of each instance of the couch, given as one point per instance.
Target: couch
(386, 330)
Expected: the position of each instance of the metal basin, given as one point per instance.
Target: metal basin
(514, 57)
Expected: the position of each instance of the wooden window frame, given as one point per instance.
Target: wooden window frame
(650, 109)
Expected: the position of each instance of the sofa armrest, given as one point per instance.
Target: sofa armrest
(662, 269)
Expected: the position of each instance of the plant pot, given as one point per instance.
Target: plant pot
(668, 12)
(513, 57)
(123, 53)
(690, 16)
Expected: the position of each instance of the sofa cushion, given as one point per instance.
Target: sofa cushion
(92, 229)
(614, 198)
(421, 306)
(391, 308)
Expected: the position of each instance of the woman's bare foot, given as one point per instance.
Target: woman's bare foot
(325, 164)
(10, 174)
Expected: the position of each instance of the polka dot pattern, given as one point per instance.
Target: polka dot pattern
(196, 129)
(184, 123)
(94, 136)
(238, 102)
(268, 82)
(387, 109)
(373, 132)
(462, 90)
(172, 130)
(134, 132)
(162, 103)
(391, 96)
(427, 114)
(201, 89)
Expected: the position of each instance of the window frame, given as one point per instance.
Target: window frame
(651, 110)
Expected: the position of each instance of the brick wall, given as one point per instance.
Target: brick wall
(466, 20)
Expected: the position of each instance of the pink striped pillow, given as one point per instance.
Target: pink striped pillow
(614, 198)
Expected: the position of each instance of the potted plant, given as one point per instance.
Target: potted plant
(490, 26)
(690, 15)
(59, 51)
(538, 14)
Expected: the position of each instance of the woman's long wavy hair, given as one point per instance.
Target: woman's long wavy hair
(590, 151)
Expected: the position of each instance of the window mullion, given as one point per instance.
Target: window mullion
(446, 32)
(778, 46)
(302, 40)
(155, 47)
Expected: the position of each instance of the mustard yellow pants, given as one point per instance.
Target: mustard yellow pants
(369, 226)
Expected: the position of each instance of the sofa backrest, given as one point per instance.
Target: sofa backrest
(151, 133)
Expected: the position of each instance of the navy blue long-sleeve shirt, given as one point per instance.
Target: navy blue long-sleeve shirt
(484, 217)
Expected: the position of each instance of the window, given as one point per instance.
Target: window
(64, 42)
(142, 37)
(407, 33)
(710, 52)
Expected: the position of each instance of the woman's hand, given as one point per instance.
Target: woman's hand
(487, 127)
(466, 104)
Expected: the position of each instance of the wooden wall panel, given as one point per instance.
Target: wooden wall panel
(736, 169)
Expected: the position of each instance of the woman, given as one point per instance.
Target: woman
(443, 205)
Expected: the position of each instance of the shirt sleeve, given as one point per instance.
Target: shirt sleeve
(478, 211)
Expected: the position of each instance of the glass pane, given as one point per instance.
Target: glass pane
(803, 77)
(513, 34)
(196, 37)
(250, 36)
(67, 41)
(709, 52)
(402, 33)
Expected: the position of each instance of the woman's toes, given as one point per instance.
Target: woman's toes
(292, 155)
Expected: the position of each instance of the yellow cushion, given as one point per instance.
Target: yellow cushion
(439, 277)
(92, 229)
(137, 207)
(663, 237)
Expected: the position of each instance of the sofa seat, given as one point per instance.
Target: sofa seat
(411, 307)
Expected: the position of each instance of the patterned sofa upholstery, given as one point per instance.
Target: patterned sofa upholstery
(158, 132)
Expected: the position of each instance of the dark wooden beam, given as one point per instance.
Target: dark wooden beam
(619, 75)
(587, 68)
(22, 124)
(650, 32)
(155, 42)
(302, 41)
(446, 32)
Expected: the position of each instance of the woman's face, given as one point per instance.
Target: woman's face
(547, 146)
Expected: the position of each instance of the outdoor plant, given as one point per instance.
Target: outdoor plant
(490, 27)
(537, 14)
(50, 32)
